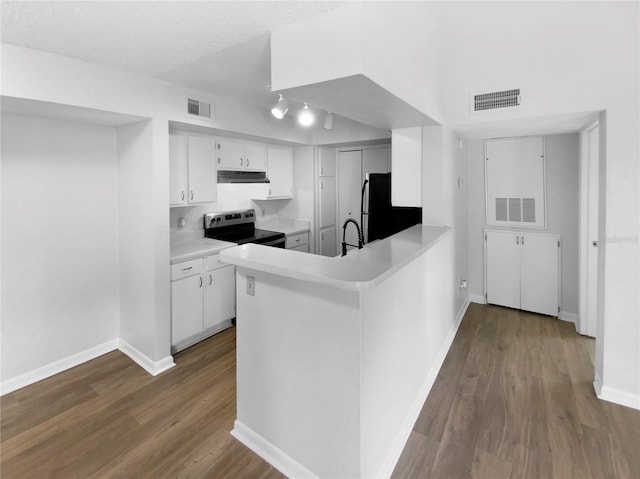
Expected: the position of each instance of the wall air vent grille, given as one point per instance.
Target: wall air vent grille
(495, 100)
(199, 108)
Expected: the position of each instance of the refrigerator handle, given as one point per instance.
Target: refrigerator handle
(362, 213)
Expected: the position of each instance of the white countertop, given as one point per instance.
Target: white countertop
(191, 249)
(358, 270)
(282, 225)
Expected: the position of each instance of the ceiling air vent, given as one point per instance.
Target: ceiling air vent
(496, 100)
(199, 108)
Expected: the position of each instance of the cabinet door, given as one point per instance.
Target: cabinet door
(221, 296)
(539, 273)
(231, 154)
(349, 190)
(328, 241)
(503, 268)
(177, 170)
(255, 157)
(203, 178)
(327, 161)
(280, 172)
(327, 191)
(186, 308)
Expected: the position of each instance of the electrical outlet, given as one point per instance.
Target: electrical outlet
(251, 286)
(463, 284)
(182, 222)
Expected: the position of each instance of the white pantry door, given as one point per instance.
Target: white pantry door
(349, 187)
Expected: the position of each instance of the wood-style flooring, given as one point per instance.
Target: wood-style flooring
(514, 398)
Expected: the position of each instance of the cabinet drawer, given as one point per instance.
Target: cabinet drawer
(303, 247)
(186, 269)
(297, 240)
(213, 262)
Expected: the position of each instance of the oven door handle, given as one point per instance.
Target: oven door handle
(276, 242)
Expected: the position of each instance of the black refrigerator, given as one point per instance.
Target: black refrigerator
(378, 217)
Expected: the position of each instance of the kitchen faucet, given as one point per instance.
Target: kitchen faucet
(344, 233)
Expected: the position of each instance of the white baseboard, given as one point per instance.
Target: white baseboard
(477, 298)
(152, 367)
(57, 367)
(395, 451)
(270, 453)
(570, 317)
(616, 396)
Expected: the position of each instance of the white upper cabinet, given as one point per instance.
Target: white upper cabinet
(280, 172)
(327, 162)
(256, 156)
(406, 166)
(192, 170)
(178, 187)
(234, 154)
(203, 178)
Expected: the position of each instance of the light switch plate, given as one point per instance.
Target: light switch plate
(251, 286)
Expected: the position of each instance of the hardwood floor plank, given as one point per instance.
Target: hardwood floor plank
(514, 398)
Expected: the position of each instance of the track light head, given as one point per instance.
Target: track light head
(306, 117)
(281, 107)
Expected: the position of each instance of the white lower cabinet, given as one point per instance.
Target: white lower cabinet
(221, 286)
(298, 242)
(203, 298)
(328, 241)
(522, 271)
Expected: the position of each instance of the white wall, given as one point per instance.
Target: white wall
(59, 241)
(143, 247)
(560, 55)
(562, 158)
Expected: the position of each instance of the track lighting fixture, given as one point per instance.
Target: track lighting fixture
(305, 117)
(281, 107)
(328, 121)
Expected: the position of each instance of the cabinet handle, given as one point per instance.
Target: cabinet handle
(321, 185)
(191, 195)
(219, 160)
(247, 162)
(522, 241)
(201, 281)
(517, 239)
(241, 160)
(321, 236)
(182, 193)
(184, 270)
(298, 240)
(321, 170)
(210, 279)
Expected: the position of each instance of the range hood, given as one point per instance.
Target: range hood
(229, 176)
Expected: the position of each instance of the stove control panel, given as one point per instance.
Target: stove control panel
(228, 218)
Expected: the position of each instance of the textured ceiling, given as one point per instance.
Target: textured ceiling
(147, 37)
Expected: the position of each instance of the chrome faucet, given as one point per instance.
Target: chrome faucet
(344, 233)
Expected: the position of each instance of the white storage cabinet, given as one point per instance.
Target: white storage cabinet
(235, 154)
(298, 242)
(280, 174)
(192, 170)
(522, 270)
(203, 295)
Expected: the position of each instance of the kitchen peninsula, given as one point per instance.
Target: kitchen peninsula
(335, 356)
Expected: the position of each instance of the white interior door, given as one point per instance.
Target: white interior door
(539, 273)
(503, 268)
(592, 231)
(349, 187)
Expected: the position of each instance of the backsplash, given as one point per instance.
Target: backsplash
(230, 197)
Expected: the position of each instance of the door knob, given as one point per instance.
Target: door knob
(594, 243)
